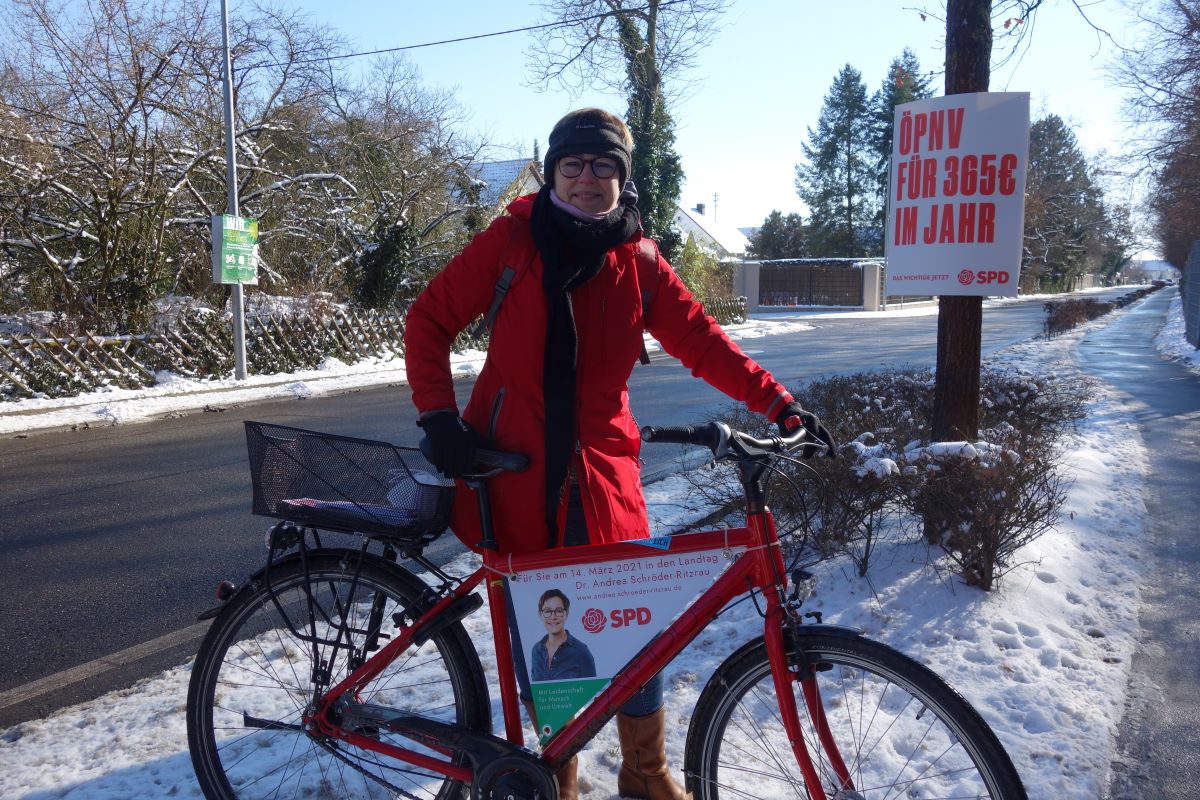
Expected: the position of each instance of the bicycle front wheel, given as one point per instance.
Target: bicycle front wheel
(259, 672)
(900, 731)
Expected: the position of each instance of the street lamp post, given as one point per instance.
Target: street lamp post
(239, 327)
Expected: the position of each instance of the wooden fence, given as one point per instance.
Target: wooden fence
(198, 347)
(201, 346)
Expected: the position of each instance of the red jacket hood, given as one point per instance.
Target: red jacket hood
(522, 207)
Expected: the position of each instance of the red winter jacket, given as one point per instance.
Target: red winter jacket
(506, 403)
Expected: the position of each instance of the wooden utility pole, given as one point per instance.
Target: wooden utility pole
(960, 319)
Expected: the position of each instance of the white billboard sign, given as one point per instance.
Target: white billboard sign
(957, 195)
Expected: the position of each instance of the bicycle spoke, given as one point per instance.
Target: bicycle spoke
(772, 710)
(906, 734)
(259, 688)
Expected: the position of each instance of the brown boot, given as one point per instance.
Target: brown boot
(644, 774)
(568, 776)
(568, 780)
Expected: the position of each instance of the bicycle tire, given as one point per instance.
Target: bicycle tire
(251, 666)
(877, 702)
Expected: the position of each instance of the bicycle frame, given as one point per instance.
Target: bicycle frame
(756, 566)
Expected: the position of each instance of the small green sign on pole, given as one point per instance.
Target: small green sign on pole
(235, 249)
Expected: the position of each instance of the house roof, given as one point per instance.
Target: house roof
(727, 240)
(498, 177)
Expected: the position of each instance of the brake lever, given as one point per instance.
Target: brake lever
(722, 448)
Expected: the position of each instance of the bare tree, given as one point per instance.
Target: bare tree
(643, 49)
(1162, 77)
(412, 170)
(588, 46)
(112, 153)
(81, 150)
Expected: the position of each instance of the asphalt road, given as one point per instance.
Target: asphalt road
(112, 540)
(1159, 739)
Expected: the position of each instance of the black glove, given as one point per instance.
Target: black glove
(793, 415)
(451, 443)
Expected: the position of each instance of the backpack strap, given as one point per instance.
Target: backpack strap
(503, 284)
(647, 267)
(486, 324)
(647, 271)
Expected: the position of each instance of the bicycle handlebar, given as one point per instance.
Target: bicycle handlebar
(707, 435)
(722, 440)
(716, 436)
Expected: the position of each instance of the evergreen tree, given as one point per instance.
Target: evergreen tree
(780, 237)
(701, 272)
(838, 182)
(1064, 210)
(657, 171)
(378, 276)
(636, 47)
(905, 82)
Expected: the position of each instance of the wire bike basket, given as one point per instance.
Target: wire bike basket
(346, 484)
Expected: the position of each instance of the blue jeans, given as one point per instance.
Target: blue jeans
(650, 697)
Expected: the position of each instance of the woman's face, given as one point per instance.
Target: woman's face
(554, 614)
(585, 191)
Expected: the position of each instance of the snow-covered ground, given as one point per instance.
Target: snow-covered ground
(1045, 658)
(1171, 340)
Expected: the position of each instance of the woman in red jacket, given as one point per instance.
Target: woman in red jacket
(585, 285)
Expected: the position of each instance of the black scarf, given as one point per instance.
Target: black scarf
(573, 251)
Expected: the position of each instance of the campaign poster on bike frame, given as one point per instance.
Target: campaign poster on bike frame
(580, 625)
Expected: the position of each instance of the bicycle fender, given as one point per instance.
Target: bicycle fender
(840, 631)
(257, 577)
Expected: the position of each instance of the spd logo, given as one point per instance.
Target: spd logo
(594, 620)
(966, 277)
(628, 617)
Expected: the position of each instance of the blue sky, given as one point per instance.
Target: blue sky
(756, 89)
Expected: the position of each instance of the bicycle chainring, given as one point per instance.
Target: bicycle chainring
(514, 778)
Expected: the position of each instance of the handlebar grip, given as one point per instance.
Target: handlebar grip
(708, 435)
(511, 462)
(498, 459)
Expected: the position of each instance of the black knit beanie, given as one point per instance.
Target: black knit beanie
(587, 132)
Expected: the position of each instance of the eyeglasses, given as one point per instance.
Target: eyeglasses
(554, 612)
(572, 167)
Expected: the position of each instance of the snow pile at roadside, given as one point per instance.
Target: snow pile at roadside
(1172, 341)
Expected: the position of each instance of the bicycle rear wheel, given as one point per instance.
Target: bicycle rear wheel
(253, 683)
(901, 731)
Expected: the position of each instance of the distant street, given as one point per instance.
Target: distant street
(114, 537)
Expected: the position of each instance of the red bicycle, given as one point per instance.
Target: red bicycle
(336, 672)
